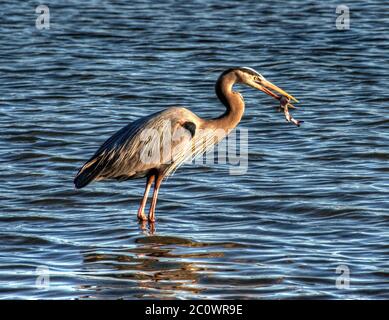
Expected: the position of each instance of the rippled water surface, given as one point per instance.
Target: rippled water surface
(313, 198)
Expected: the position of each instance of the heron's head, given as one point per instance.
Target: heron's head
(254, 79)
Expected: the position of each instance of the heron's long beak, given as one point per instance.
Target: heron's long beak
(265, 86)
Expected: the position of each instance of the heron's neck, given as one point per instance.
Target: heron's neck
(233, 102)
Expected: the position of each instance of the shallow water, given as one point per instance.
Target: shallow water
(313, 198)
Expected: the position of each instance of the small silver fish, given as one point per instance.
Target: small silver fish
(285, 105)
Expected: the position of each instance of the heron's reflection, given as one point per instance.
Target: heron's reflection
(147, 227)
(156, 265)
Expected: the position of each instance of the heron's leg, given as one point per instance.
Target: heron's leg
(141, 210)
(158, 182)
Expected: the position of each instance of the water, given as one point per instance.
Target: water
(314, 197)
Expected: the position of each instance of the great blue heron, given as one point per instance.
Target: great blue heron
(126, 155)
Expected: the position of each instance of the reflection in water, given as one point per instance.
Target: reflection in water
(147, 227)
(155, 264)
(163, 267)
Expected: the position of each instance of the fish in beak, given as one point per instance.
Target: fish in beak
(284, 103)
(284, 98)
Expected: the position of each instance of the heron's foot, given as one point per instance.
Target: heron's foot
(152, 228)
(147, 227)
(151, 217)
(141, 216)
(143, 225)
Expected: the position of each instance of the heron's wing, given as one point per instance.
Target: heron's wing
(140, 146)
(108, 158)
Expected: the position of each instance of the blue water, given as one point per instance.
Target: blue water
(314, 198)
